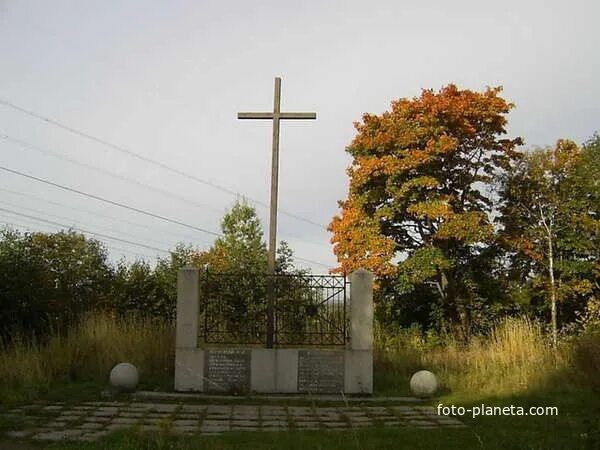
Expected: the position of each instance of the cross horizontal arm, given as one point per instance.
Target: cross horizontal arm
(255, 115)
(284, 115)
(298, 115)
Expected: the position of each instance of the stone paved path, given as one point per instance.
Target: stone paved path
(92, 420)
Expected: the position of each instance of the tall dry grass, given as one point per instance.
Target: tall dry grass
(86, 352)
(515, 357)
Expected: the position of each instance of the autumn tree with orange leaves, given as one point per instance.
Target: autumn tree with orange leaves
(418, 207)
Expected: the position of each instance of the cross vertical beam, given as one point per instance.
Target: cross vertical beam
(274, 179)
(276, 116)
(272, 252)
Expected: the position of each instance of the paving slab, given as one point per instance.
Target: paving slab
(70, 417)
(132, 414)
(360, 419)
(56, 424)
(304, 418)
(18, 434)
(90, 437)
(307, 425)
(90, 426)
(335, 424)
(58, 435)
(164, 408)
(117, 426)
(274, 423)
(99, 413)
(219, 409)
(125, 420)
(91, 421)
(214, 428)
(149, 428)
(153, 420)
(97, 419)
(183, 422)
(186, 429)
(193, 408)
(188, 416)
(421, 423)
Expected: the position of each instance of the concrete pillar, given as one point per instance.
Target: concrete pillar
(188, 304)
(189, 359)
(361, 310)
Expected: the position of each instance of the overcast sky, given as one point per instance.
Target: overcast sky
(165, 79)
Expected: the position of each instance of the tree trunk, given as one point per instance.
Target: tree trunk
(553, 318)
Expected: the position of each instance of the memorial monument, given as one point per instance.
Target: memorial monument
(296, 334)
(344, 366)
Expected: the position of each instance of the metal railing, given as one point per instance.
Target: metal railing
(236, 308)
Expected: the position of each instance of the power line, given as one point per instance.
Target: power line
(310, 261)
(55, 216)
(51, 222)
(94, 213)
(111, 202)
(149, 160)
(113, 247)
(65, 226)
(104, 171)
(57, 155)
(108, 246)
(95, 197)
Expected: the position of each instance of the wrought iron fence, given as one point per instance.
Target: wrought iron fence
(273, 310)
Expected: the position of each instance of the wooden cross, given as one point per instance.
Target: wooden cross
(276, 116)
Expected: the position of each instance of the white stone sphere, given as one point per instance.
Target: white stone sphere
(124, 377)
(423, 383)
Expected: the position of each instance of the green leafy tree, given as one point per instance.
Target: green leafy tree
(50, 279)
(242, 247)
(235, 286)
(549, 218)
(150, 290)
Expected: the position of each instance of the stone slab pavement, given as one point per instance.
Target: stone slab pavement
(92, 420)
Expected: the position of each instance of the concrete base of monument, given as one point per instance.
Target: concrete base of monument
(239, 370)
(346, 398)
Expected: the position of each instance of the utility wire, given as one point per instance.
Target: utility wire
(57, 155)
(55, 216)
(74, 227)
(149, 160)
(113, 247)
(111, 202)
(310, 261)
(97, 214)
(95, 197)
(54, 154)
(29, 228)
(51, 222)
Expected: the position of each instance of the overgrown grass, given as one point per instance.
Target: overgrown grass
(513, 365)
(85, 354)
(516, 357)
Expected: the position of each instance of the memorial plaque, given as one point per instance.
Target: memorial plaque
(320, 371)
(227, 370)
